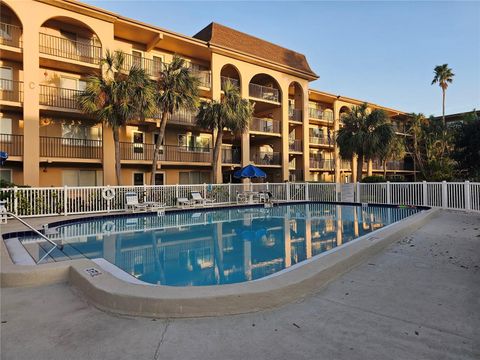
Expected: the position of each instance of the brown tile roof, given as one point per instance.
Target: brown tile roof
(220, 35)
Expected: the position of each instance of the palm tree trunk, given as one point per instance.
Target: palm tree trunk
(352, 166)
(359, 167)
(443, 106)
(384, 168)
(116, 140)
(216, 156)
(158, 144)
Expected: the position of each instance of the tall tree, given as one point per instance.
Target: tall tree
(415, 126)
(117, 96)
(232, 113)
(467, 147)
(443, 76)
(364, 134)
(394, 150)
(177, 89)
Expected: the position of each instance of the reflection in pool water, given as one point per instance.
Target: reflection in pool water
(223, 246)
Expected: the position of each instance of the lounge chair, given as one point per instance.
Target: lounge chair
(198, 199)
(183, 202)
(131, 202)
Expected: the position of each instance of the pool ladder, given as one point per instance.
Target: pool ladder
(59, 246)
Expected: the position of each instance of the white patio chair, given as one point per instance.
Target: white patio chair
(131, 202)
(184, 202)
(197, 197)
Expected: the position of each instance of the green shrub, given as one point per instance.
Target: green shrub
(373, 179)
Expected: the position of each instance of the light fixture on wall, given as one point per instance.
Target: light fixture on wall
(45, 74)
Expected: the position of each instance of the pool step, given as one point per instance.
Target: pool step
(38, 249)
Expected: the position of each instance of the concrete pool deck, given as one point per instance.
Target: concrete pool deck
(419, 299)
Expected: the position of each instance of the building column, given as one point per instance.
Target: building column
(31, 106)
(336, 150)
(284, 131)
(306, 137)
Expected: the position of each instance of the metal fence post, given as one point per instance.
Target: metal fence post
(307, 196)
(204, 190)
(424, 193)
(15, 200)
(389, 196)
(287, 190)
(467, 195)
(444, 195)
(176, 192)
(338, 192)
(358, 193)
(65, 211)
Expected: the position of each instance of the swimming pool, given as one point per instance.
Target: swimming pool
(217, 246)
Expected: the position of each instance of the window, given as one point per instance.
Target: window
(5, 126)
(159, 178)
(200, 143)
(194, 177)
(82, 178)
(138, 142)
(6, 76)
(137, 59)
(6, 175)
(74, 130)
(138, 179)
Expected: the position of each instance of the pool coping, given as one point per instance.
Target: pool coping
(109, 293)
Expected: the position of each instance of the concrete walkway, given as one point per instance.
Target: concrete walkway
(418, 300)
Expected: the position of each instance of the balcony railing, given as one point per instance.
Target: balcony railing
(142, 151)
(391, 165)
(295, 114)
(59, 97)
(11, 144)
(345, 165)
(11, 90)
(295, 145)
(265, 125)
(10, 35)
(316, 163)
(224, 79)
(263, 92)
(321, 140)
(183, 117)
(202, 73)
(70, 148)
(295, 175)
(150, 66)
(266, 158)
(70, 49)
(231, 155)
(319, 114)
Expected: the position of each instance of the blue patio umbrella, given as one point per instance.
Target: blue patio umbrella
(3, 157)
(250, 172)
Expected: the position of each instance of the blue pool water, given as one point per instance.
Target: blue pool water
(220, 246)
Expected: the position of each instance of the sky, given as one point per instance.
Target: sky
(382, 52)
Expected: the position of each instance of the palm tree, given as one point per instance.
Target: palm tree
(364, 134)
(177, 89)
(231, 113)
(394, 150)
(443, 76)
(416, 124)
(117, 97)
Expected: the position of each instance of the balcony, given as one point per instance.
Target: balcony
(321, 140)
(142, 151)
(391, 165)
(263, 93)
(70, 49)
(59, 97)
(11, 144)
(68, 148)
(10, 35)
(295, 115)
(318, 114)
(265, 125)
(295, 175)
(224, 79)
(231, 155)
(266, 158)
(11, 90)
(202, 73)
(183, 117)
(345, 165)
(150, 66)
(316, 163)
(295, 145)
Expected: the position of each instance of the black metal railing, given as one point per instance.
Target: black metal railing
(265, 125)
(295, 114)
(295, 175)
(295, 145)
(60, 147)
(10, 35)
(316, 163)
(202, 73)
(143, 151)
(151, 67)
(70, 49)
(11, 144)
(224, 79)
(11, 90)
(319, 114)
(231, 155)
(59, 97)
(321, 140)
(263, 92)
(266, 158)
(183, 117)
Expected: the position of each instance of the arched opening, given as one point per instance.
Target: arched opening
(71, 39)
(264, 87)
(295, 102)
(230, 73)
(10, 27)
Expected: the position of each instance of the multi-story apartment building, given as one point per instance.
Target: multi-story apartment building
(48, 49)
